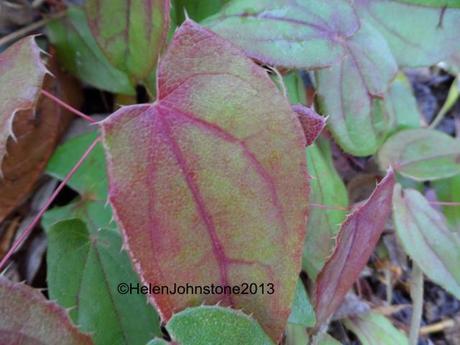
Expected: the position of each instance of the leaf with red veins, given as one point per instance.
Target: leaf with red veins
(21, 78)
(311, 122)
(357, 238)
(26, 317)
(131, 33)
(209, 183)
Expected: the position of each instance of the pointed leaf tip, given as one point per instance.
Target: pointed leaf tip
(357, 238)
(211, 189)
(312, 123)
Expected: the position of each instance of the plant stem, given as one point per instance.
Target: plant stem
(68, 107)
(14, 36)
(32, 225)
(416, 293)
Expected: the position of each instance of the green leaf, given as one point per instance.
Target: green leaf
(302, 312)
(84, 270)
(215, 325)
(350, 92)
(295, 88)
(298, 34)
(328, 189)
(326, 339)
(401, 105)
(433, 3)
(425, 237)
(157, 341)
(26, 317)
(196, 9)
(421, 154)
(417, 34)
(21, 78)
(90, 180)
(79, 53)
(375, 329)
(448, 190)
(134, 40)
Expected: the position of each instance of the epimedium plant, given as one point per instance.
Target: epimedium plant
(211, 183)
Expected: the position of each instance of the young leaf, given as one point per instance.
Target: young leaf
(419, 32)
(21, 78)
(401, 105)
(133, 41)
(215, 325)
(426, 238)
(26, 317)
(79, 53)
(421, 154)
(351, 91)
(326, 339)
(297, 34)
(302, 312)
(355, 243)
(375, 329)
(327, 189)
(211, 189)
(86, 265)
(449, 191)
(311, 122)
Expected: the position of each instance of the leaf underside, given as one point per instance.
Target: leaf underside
(203, 180)
(26, 317)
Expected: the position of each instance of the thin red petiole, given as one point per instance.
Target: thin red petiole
(32, 225)
(68, 107)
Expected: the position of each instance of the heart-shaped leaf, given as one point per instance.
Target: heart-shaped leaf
(134, 40)
(448, 191)
(26, 317)
(421, 154)
(83, 264)
(286, 33)
(419, 32)
(327, 189)
(215, 325)
(350, 92)
(21, 78)
(79, 53)
(425, 237)
(209, 183)
(357, 238)
(374, 328)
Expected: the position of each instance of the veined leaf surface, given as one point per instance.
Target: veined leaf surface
(421, 154)
(419, 32)
(448, 191)
(21, 78)
(26, 317)
(425, 237)
(297, 34)
(131, 33)
(355, 243)
(350, 92)
(209, 183)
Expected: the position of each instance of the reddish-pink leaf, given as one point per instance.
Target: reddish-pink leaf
(311, 122)
(209, 183)
(26, 317)
(355, 243)
(21, 78)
